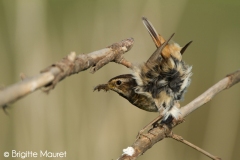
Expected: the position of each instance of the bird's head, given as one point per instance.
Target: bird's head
(124, 85)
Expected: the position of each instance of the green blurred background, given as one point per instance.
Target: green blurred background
(92, 125)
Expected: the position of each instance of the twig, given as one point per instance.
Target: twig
(72, 64)
(180, 139)
(158, 118)
(227, 82)
(156, 134)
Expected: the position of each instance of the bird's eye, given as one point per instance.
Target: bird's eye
(118, 82)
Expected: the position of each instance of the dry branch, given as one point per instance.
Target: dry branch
(72, 64)
(180, 139)
(158, 133)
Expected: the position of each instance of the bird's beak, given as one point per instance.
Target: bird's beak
(101, 87)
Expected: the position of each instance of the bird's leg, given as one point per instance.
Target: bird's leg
(152, 123)
(178, 121)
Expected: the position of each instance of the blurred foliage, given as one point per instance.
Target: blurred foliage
(91, 125)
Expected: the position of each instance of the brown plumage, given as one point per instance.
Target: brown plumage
(158, 84)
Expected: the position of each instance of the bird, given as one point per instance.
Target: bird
(158, 84)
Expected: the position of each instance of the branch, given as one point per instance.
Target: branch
(156, 134)
(225, 83)
(72, 64)
(180, 139)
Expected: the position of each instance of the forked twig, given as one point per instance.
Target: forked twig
(180, 139)
(72, 64)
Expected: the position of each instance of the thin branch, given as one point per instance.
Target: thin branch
(225, 83)
(72, 64)
(180, 139)
(156, 134)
